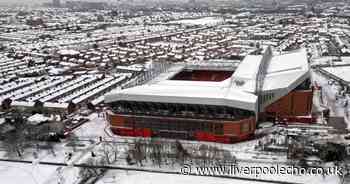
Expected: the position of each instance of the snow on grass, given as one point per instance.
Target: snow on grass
(15, 173)
(136, 177)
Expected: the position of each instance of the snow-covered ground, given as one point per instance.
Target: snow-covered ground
(90, 133)
(136, 177)
(243, 151)
(15, 173)
(330, 97)
(92, 129)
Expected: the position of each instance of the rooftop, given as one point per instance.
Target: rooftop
(236, 89)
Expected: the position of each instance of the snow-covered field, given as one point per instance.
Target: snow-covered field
(136, 177)
(15, 173)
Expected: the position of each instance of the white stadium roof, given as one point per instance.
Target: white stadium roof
(283, 74)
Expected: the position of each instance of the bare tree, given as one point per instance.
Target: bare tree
(73, 142)
(16, 140)
(203, 153)
(181, 153)
(138, 152)
(110, 152)
(156, 153)
(228, 157)
(14, 145)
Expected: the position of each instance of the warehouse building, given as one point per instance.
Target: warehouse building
(217, 102)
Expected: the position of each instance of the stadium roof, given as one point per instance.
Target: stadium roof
(283, 74)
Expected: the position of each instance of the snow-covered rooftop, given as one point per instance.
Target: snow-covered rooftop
(37, 119)
(283, 74)
(342, 72)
